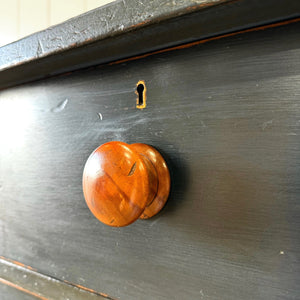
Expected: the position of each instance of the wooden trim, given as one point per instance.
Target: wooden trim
(28, 280)
(6, 282)
(114, 33)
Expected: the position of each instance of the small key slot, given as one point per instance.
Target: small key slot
(141, 93)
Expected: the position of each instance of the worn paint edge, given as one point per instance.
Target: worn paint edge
(18, 263)
(99, 55)
(49, 41)
(16, 275)
(13, 285)
(202, 41)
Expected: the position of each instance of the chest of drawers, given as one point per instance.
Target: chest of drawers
(222, 108)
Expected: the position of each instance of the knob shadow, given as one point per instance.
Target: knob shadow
(179, 174)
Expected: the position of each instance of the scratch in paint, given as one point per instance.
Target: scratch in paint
(266, 124)
(60, 107)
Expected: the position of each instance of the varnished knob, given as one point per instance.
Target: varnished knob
(122, 183)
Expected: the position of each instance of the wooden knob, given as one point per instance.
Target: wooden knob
(122, 183)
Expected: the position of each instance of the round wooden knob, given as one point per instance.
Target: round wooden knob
(122, 183)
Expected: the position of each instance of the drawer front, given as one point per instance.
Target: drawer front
(226, 117)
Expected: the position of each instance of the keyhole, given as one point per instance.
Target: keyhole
(141, 93)
(140, 88)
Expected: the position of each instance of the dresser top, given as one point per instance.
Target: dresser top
(127, 28)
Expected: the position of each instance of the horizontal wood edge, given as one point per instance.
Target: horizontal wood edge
(197, 23)
(111, 20)
(28, 280)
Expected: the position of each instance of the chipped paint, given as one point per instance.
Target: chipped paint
(65, 37)
(266, 124)
(61, 38)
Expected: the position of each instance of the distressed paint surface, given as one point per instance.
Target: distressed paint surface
(128, 28)
(224, 114)
(30, 283)
(112, 19)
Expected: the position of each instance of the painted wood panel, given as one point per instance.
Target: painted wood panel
(225, 116)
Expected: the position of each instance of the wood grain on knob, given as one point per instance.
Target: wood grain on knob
(122, 183)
